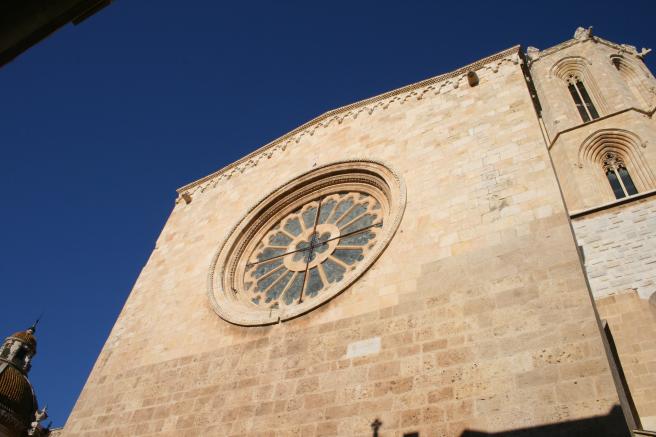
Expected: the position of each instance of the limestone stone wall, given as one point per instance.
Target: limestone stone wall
(633, 323)
(475, 317)
(618, 238)
(619, 245)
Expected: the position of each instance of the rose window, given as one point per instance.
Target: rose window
(305, 242)
(312, 247)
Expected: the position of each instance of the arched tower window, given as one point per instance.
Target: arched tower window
(618, 176)
(634, 77)
(581, 98)
(615, 155)
(581, 86)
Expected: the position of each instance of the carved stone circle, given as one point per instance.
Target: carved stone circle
(229, 289)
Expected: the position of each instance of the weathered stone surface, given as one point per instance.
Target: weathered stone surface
(617, 236)
(479, 303)
(633, 324)
(619, 246)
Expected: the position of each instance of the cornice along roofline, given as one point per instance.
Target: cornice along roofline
(382, 101)
(580, 36)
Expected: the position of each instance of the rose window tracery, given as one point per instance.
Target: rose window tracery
(305, 242)
(312, 247)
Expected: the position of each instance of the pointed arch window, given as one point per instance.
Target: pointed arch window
(618, 176)
(615, 155)
(633, 77)
(575, 72)
(582, 99)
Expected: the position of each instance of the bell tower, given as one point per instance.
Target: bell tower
(597, 101)
(19, 413)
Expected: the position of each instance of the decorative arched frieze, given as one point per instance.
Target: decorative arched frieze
(605, 146)
(437, 85)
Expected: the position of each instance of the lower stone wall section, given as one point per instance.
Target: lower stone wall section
(619, 247)
(456, 357)
(632, 321)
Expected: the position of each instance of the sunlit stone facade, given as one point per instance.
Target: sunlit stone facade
(463, 310)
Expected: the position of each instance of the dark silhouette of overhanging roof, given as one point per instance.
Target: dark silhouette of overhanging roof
(24, 23)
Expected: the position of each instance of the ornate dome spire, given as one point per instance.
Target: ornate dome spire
(19, 348)
(18, 404)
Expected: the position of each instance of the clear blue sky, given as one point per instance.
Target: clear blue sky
(100, 123)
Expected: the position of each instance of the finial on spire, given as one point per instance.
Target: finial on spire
(582, 33)
(32, 328)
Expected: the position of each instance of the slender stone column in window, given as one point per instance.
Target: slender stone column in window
(618, 176)
(582, 99)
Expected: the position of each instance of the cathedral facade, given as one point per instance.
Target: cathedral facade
(470, 255)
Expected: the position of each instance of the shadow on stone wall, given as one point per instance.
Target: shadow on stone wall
(610, 425)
